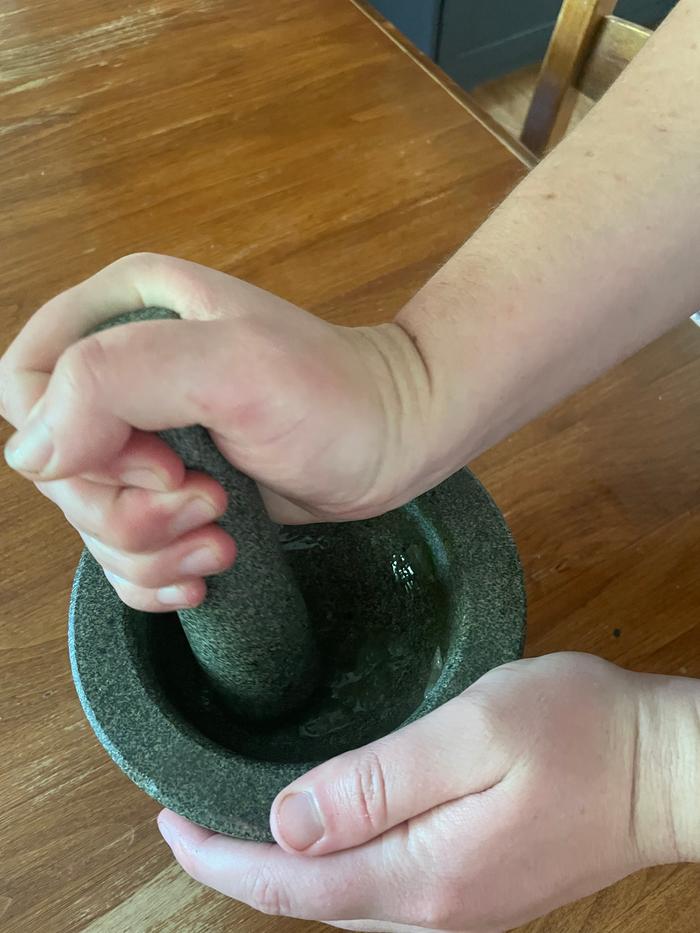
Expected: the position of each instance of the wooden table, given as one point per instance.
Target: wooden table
(294, 143)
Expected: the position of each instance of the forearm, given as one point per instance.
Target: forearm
(666, 790)
(590, 258)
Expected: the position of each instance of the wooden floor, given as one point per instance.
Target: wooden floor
(507, 99)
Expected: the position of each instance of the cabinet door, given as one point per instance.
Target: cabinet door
(418, 19)
(482, 39)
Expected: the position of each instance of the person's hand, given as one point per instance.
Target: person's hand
(545, 781)
(333, 422)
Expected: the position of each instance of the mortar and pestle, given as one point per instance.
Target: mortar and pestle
(320, 638)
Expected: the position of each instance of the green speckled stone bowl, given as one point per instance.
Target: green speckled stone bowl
(321, 638)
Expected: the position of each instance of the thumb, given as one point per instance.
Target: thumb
(361, 794)
(148, 375)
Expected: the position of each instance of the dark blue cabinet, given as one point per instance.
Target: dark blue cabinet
(418, 19)
(475, 40)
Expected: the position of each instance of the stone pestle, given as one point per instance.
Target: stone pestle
(252, 634)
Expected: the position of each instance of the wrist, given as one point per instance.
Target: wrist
(393, 372)
(457, 411)
(666, 788)
(485, 374)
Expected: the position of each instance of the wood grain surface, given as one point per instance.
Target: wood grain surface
(295, 144)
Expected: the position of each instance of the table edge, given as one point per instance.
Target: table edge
(457, 93)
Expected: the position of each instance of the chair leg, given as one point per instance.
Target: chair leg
(554, 97)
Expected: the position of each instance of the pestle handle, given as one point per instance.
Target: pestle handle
(251, 635)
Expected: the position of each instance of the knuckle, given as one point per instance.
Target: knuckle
(435, 902)
(195, 299)
(123, 590)
(81, 367)
(267, 894)
(441, 907)
(124, 535)
(87, 516)
(146, 575)
(129, 570)
(370, 790)
(117, 534)
(486, 718)
(132, 596)
(135, 522)
(148, 572)
(138, 261)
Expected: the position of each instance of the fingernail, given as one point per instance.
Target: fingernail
(30, 449)
(300, 821)
(193, 514)
(201, 562)
(172, 596)
(144, 479)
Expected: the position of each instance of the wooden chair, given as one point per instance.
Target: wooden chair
(589, 48)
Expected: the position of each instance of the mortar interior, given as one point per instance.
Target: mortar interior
(409, 609)
(380, 608)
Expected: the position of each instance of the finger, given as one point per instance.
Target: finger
(144, 460)
(201, 553)
(140, 280)
(137, 520)
(343, 885)
(195, 292)
(361, 794)
(182, 595)
(141, 375)
(372, 926)
(147, 462)
(191, 290)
